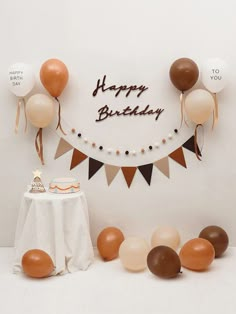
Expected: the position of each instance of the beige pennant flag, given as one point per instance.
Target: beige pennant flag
(62, 148)
(163, 166)
(111, 172)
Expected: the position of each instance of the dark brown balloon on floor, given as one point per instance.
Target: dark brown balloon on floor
(108, 243)
(218, 238)
(184, 74)
(163, 262)
(37, 264)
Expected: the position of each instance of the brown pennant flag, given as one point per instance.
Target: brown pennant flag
(94, 166)
(62, 148)
(129, 173)
(111, 172)
(77, 158)
(189, 144)
(163, 166)
(178, 156)
(146, 171)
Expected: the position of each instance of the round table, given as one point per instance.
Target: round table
(57, 224)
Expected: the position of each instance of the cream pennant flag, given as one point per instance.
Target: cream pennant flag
(163, 166)
(62, 148)
(111, 172)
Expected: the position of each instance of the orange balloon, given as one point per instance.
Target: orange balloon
(54, 76)
(37, 264)
(108, 243)
(197, 254)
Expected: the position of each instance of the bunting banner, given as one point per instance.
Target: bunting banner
(111, 171)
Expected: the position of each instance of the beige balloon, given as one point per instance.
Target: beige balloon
(166, 235)
(40, 110)
(199, 105)
(133, 253)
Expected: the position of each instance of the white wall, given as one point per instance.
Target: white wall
(131, 41)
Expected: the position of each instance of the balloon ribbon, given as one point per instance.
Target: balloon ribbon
(20, 101)
(215, 112)
(182, 104)
(59, 117)
(39, 144)
(196, 148)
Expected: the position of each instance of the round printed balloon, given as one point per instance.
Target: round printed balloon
(21, 79)
(214, 74)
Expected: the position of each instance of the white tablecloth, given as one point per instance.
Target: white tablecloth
(57, 224)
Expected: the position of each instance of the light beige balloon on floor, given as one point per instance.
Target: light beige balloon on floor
(40, 110)
(199, 105)
(133, 253)
(166, 235)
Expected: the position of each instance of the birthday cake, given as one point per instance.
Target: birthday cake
(64, 185)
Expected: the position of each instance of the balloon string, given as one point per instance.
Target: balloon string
(23, 100)
(182, 105)
(196, 148)
(215, 112)
(59, 117)
(17, 115)
(39, 144)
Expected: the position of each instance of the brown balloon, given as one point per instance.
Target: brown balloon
(163, 262)
(54, 76)
(108, 243)
(197, 254)
(184, 74)
(218, 238)
(37, 264)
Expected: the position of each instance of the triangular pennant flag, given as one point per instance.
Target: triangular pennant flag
(129, 173)
(62, 148)
(146, 171)
(111, 172)
(94, 166)
(163, 166)
(77, 158)
(189, 144)
(178, 156)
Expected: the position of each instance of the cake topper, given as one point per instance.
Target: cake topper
(37, 185)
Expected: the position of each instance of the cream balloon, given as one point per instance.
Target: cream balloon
(199, 105)
(40, 110)
(133, 253)
(214, 74)
(166, 235)
(21, 79)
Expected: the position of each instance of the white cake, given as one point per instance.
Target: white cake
(64, 185)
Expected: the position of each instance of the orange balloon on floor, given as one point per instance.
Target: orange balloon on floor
(108, 243)
(54, 76)
(197, 254)
(37, 264)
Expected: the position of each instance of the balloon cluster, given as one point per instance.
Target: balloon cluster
(162, 260)
(199, 104)
(39, 109)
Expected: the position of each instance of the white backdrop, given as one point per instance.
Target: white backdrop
(132, 42)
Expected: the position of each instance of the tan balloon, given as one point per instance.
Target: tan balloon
(133, 253)
(199, 105)
(166, 235)
(40, 110)
(197, 254)
(54, 76)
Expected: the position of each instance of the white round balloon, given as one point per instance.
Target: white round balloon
(21, 79)
(214, 74)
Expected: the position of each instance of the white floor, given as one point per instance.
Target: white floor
(108, 288)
